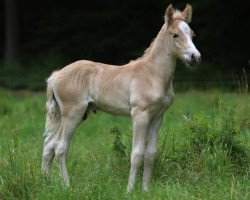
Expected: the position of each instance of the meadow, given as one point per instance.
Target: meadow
(203, 151)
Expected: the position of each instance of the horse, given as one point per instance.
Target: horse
(141, 89)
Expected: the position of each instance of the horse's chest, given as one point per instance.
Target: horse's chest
(166, 102)
(162, 102)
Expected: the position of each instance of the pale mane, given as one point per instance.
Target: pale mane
(176, 15)
(146, 51)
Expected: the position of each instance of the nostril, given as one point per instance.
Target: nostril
(192, 57)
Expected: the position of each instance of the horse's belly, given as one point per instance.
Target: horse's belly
(113, 106)
(115, 110)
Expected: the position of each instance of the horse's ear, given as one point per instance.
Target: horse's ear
(169, 14)
(186, 15)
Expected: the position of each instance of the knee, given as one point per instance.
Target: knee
(60, 150)
(48, 149)
(136, 157)
(47, 155)
(150, 156)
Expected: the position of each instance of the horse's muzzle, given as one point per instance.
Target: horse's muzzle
(194, 59)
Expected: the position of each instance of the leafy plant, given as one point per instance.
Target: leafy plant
(204, 134)
(118, 146)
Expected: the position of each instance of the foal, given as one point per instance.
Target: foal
(141, 89)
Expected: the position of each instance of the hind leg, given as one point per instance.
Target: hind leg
(53, 123)
(48, 153)
(48, 148)
(70, 121)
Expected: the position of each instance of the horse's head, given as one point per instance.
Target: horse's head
(180, 35)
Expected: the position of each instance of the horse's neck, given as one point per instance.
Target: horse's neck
(160, 57)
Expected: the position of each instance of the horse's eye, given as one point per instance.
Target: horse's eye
(175, 35)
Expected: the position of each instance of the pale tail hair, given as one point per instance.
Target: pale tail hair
(53, 116)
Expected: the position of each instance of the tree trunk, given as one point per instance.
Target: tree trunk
(11, 31)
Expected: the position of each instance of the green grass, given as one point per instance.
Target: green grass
(203, 151)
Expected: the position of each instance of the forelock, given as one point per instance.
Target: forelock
(177, 14)
(177, 21)
(177, 18)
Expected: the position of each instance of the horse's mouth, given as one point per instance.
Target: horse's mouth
(193, 63)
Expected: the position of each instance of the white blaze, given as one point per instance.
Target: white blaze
(186, 32)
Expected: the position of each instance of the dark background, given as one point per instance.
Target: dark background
(51, 34)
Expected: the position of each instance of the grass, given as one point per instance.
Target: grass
(203, 151)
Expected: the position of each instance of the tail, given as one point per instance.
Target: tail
(53, 116)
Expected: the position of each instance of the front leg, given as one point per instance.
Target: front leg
(140, 126)
(151, 149)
